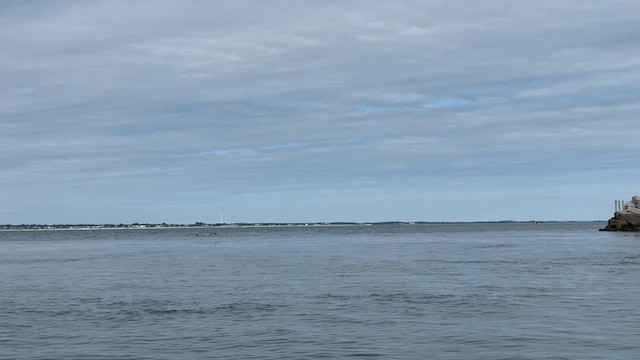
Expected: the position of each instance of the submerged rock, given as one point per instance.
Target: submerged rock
(627, 219)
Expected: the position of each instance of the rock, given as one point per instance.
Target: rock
(627, 219)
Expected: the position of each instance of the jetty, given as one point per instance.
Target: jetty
(626, 216)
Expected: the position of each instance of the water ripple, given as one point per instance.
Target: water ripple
(557, 291)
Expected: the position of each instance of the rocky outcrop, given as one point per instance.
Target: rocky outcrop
(627, 219)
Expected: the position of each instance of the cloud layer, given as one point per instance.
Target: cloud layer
(119, 111)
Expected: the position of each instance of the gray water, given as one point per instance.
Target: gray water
(470, 291)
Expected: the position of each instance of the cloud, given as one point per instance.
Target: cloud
(206, 102)
(448, 102)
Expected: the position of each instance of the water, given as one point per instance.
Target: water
(471, 291)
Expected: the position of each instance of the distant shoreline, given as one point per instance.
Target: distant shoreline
(85, 227)
(171, 227)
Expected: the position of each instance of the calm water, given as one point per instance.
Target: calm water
(474, 291)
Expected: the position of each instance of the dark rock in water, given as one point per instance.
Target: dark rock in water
(627, 219)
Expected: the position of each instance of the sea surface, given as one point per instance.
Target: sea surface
(452, 291)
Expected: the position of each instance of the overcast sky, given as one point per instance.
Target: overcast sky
(285, 110)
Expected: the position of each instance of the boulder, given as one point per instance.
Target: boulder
(627, 219)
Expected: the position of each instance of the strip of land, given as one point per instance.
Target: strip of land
(201, 225)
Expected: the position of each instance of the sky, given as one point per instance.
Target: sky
(301, 111)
